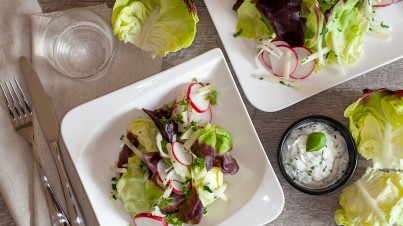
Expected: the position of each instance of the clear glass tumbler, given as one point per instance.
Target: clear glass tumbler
(79, 43)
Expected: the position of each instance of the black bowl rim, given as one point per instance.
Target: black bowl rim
(352, 150)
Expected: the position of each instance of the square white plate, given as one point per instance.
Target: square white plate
(272, 97)
(91, 133)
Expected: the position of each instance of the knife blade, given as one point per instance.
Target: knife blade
(50, 127)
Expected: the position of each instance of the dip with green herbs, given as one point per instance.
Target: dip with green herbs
(315, 155)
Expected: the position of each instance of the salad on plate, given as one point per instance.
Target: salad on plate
(173, 163)
(296, 37)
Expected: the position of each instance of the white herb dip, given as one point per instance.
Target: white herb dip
(315, 169)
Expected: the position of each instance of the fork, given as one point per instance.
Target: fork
(21, 117)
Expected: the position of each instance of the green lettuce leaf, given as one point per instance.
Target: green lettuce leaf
(313, 25)
(159, 27)
(376, 124)
(145, 131)
(137, 193)
(251, 24)
(216, 137)
(375, 199)
(344, 32)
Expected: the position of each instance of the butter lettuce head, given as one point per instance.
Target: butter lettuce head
(251, 24)
(375, 199)
(137, 193)
(156, 26)
(376, 124)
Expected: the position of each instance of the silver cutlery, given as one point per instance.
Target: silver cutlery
(21, 117)
(50, 128)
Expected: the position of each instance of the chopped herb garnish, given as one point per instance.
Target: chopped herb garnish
(179, 118)
(121, 136)
(198, 163)
(260, 78)
(213, 97)
(324, 169)
(205, 210)
(207, 188)
(238, 33)
(312, 167)
(114, 186)
(114, 197)
(164, 121)
(195, 80)
(113, 179)
(384, 25)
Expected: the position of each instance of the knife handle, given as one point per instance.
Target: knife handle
(73, 207)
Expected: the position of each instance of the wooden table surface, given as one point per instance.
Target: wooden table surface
(300, 208)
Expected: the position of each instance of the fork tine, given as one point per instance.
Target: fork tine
(10, 110)
(18, 98)
(15, 103)
(23, 97)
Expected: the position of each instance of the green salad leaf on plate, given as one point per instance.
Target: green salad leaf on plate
(158, 27)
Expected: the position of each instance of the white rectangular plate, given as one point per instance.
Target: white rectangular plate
(91, 133)
(272, 97)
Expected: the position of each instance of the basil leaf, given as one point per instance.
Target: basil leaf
(315, 141)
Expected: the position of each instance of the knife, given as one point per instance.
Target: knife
(50, 127)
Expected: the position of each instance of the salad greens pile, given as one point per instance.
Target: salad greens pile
(173, 164)
(376, 124)
(332, 30)
(159, 27)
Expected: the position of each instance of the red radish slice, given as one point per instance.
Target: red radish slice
(177, 184)
(265, 54)
(161, 167)
(303, 71)
(279, 43)
(266, 59)
(199, 102)
(278, 64)
(181, 155)
(147, 219)
(201, 118)
(383, 3)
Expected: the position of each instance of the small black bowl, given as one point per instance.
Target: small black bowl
(352, 152)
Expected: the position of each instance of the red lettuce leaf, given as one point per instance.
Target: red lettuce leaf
(168, 130)
(206, 152)
(171, 204)
(285, 18)
(228, 164)
(152, 160)
(191, 210)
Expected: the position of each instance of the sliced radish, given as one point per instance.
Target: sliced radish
(201, 118)
(199, 102)
(279, 43)
(383, 3)
(161, 171)
(303, 71)
(181, 155)
(266, 59)
(177, 184)
(147, 219)
(278, 64)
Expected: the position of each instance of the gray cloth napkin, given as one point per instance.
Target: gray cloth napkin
(129, 65)
(16, 162)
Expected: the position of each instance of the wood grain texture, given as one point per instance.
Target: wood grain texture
(300, 208)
